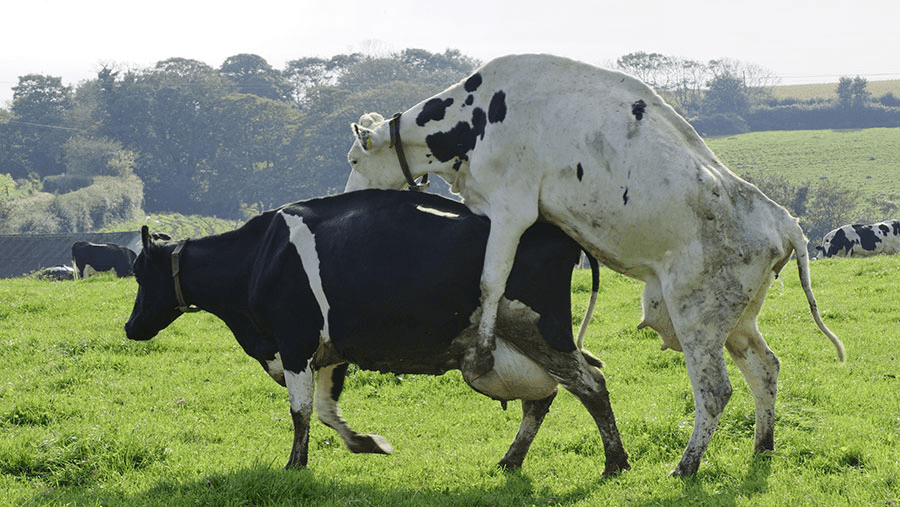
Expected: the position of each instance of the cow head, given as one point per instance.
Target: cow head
(819, 252)
(156, 305)
(373, 161)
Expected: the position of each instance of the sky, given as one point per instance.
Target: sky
(801, 41)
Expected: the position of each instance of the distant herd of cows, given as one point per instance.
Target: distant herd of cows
(856, 240)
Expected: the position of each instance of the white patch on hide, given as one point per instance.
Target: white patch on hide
(305, 243)
(437, 212)
(275, 368)
(300, 388)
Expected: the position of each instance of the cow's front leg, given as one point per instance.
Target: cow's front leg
(499, 256)
(300, 393)
(328, 390)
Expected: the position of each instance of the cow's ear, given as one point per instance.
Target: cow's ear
(366, 130)
(364, 136)
(145, 236)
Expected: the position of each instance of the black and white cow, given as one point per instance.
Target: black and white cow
(859, 240)
(98, 257)
(386, 280)
(601, 155)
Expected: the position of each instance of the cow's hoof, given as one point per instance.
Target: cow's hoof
(684, 470)
(293, 465)
(614, 469)
(476, 363)
(508, 465)
(370, 444)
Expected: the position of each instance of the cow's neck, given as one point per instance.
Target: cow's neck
(211, 274)
(416, 152)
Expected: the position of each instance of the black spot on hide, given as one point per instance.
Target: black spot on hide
(470, 100)
(638, 108)
(625, 196)
(459, 140)
(434, 109)
(867, 237)
(497, 108)
(580, 171)
(473, 83)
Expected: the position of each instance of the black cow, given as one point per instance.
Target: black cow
(102, 257)
(386, 280)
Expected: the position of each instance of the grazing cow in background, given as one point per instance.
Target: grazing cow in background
(93, 258)
(57, 273)
(600, 155)
(318, 284)
(861, 240)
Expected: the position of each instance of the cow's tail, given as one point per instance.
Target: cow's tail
(595, 287)
(799, 243)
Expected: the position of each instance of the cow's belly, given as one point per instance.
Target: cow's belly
(514, 376)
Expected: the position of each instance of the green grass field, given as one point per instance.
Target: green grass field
(867, 161)
(829, 90)
(91, 418)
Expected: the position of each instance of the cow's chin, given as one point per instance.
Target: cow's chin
(142, 333)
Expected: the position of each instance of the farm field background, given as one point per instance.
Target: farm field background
(866, 160)
(91, 418)
(828, 91)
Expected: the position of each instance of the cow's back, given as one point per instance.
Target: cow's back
(401, 270)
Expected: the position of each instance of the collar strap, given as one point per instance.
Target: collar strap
(176, 272)
(397, 143)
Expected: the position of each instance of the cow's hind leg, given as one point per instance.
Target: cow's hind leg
(579, 373)
(328, 390)
(760, 367)
(712, 390)
(533, 413)
(300, 393)
(588, 384)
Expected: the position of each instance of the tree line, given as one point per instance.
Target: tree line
(182, 136)
(726, 96)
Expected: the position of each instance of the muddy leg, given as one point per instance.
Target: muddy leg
(760, 367)
(589, 385)
(533, 413)
(712, 390)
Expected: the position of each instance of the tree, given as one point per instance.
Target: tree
(852, 93)
(726, 95)
(252, 74)
(39, 104)
(307, 74)
(651, 68)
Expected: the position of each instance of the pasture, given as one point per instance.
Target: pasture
(90, 418)
(863, 161)
(827, 91)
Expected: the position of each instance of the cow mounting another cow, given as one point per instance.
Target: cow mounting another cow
(386, 280)
(600, 155)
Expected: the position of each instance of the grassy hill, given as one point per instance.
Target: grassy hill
(866, 160)
(91, 418)
(829, 90)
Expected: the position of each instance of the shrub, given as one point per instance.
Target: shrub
(720, 124)
(107, 200)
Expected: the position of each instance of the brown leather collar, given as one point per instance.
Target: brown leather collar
(397, 144)
(176, 272)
